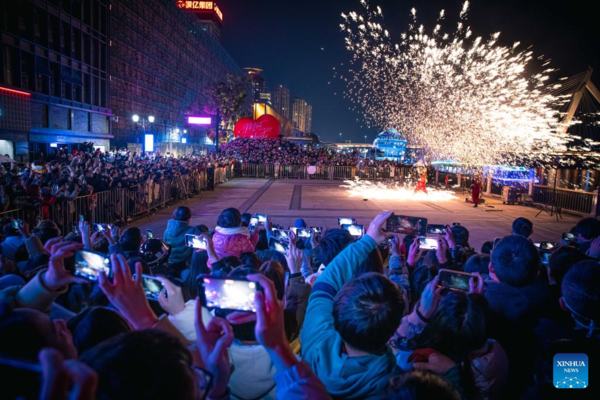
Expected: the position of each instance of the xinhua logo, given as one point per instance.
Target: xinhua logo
(570, 371)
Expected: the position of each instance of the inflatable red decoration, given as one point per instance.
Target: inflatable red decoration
(265, 127)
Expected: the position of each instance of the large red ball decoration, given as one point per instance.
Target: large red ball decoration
(265, 127)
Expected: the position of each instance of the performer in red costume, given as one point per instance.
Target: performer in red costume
(476, 189)
(422, 182)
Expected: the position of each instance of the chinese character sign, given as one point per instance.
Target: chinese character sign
(200, 6)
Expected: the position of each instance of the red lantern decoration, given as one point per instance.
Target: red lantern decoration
(265, 127)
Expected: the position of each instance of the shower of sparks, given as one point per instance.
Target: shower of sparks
(385, 191)
(455, 95)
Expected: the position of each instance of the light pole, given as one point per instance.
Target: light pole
(137, 121)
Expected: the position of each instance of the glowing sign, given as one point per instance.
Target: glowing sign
(201, 6)
(149, 143)
(199, 120)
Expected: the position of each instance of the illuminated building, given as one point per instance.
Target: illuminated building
(54, 80)
(390, 145)
(257, 81)
(209, 14)
(302, 115)
(159, 74)
(281, 100)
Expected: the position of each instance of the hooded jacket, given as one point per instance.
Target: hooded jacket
(362, 377)
(253, 375)
(234, 241)
(174, 236)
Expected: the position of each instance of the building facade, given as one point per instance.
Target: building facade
(54, 81)
(257, 82)
(302, 115)
(162, 62)
(281, 101)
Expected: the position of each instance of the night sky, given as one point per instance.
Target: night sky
(297, 43)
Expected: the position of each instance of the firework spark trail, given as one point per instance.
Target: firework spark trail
(385, 191)
(457, 96)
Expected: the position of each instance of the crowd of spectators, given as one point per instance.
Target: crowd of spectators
(338, 317)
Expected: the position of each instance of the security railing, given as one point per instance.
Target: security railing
(330, 172)
(566, 199)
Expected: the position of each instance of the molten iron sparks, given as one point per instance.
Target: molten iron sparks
(386, 191)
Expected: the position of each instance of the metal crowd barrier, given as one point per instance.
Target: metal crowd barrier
(331, 172)
(572, 200)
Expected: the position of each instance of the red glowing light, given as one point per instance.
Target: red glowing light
(15, 91)
(200, 6)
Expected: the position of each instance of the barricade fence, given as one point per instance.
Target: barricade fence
(119, 205)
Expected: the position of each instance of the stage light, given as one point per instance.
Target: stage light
(135, 118)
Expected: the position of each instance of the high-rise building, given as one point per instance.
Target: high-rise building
(281, 101)
(257, 81)
(54, 75)
(308, 119)
(209, 14)
(165, 76)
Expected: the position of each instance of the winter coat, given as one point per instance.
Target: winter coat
(234, 241)
(174, 236)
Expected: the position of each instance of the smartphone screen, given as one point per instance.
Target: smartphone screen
(99, 228)
(89, 264)
(546, 258)
(355, 230)
(261, 217)
(346, 221)
(304, 232)
(428, 243)
(149, 234)
(282, 234)
(569, 237)
(226, 293)
(278, 245)
(435, 229)
(546, 246)
(407, 225)
(317, 229)
(454, 280)
(152, 287)
(195, 241)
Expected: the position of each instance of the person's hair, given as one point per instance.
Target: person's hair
(226, 264)
(460, 235)
(588, 228)
(516, 261)
(420, 385)
(131, 239)
(331, 244)
(373, 263)
(10, 230)
(367, 311)
(457, 327)
(581, 291)
(95, 325)
(246, 217)
(522, 226)
(478, 263)
(182, 213)
(148, 364)
(275, 272)
(202, 228)
(198, 266)
(430, 260)
(46, 230)
(229, 218)
(251, 258)
(273, 255)
(486, 247)
(562, 259)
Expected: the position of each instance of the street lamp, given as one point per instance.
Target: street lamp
(365, 138)
(135, 118)
(151, 119)
(340, 137)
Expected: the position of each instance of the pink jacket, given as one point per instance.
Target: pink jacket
(234, 241)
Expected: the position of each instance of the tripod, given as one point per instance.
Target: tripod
(551, 207)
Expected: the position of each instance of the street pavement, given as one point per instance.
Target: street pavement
(320, 203)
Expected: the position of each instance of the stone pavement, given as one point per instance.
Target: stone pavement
(320, 203)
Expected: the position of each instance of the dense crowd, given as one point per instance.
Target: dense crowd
(338, 316)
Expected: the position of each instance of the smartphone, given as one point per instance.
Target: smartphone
(454, 280)
(89, 264)
(428, 243)
(545, 246)
(278, 245)
(261, 217)
(407, 225)
(569, 237)
(346, 221)
(318, 230)
(99, 227)
(282, 234)
(226, 293)
(303, 232)
(152, 287)
(81, 218)
(16, 223)
(355, 230)
(435, 229)
(545, 258)
(195, 241)
(149, 234)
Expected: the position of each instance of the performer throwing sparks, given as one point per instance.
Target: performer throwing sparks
(422, 182)
(476, 189)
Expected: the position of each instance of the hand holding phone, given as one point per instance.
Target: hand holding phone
(356, 231)
(152, 286)
(195, 241)
(455, 280)
(278, 245)
(89, 264)
(227, 293)
(346, 221)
